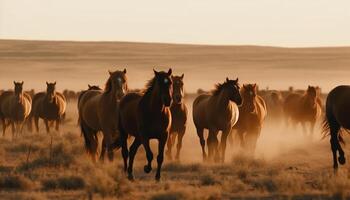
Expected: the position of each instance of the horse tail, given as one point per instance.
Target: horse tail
(330, 123)
(90, 138)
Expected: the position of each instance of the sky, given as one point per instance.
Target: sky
(292, 23)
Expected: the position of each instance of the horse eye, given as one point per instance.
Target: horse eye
(166, 80)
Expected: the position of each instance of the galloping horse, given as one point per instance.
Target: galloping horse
(337, 117)
(217, 112)
(49, 106)
(251, 116)
(15, 108)
(179, 116)
(303, 108)
(98, 111)
(146, 116)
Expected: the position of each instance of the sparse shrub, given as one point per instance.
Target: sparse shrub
(169, 195)
(60, 157)
(178, 167)
(64, 183)
(15, 182)
(22, 147)
(209, 179)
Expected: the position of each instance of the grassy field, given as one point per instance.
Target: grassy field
(286, 164)
(55, 166)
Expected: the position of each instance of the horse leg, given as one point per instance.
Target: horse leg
(179, 143)
(47, 125)
(170, 145)
(57, 125)
(212, 144)
(160, 156)
(224, 136)
(312, 127)
(13, 130)
(240, 134)
(107, 138)
(103, 150)
(147, 168)
(4, 125)
(202, 142)
(334, 129)
(36, 123)
(133, 149)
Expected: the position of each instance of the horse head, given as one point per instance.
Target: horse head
(117, 83)
(312, 93)
(165, 86)
(249, 94)
(178, 88)
(50, 91)
(232, 88)
(18, 90)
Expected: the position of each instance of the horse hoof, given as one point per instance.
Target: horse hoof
(131, 177)
(341, 160)
(158, 178)
(147, 169)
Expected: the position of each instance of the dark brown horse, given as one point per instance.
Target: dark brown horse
(337, 117)
(49, 106)
(15, 107)
(251, 116)
(305, 108)
(217, 112)
(98, 111)
(146, 116)
(179, 116)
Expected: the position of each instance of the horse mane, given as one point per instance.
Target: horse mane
(218, 88)
(149, 85)
(108, 85)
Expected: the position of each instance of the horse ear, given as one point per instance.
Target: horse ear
(14, 82)
(254, 85)
(170, 71)
(54, 83)
(124, 70)
(236, 80)
(227, 79)
(110, 73)
(47, 83)
(22, 82)
(155, 72)
(89, 85)
(182, 76)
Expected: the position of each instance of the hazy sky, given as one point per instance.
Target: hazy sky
(256, 22)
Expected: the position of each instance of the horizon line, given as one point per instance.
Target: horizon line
(175, 43)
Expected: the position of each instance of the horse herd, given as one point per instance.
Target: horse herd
(159, 112)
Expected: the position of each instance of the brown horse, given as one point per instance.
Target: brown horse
(251, 116)
(81, 94)
(98, 111)
(274, 103)
(305, 108)
(179, 116)
(337, 117)
(15, 108)
(49, 106)
(217, 112)
(146, 116)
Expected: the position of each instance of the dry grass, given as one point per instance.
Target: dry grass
(58, 168)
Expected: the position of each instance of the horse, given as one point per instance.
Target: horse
(49, 106)
(179, 117)
(304, 108)
(337, 117)
(98, 111)
(15, 108)
(81, 94)
(251, 117)
(217, 112)
(146, 116)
